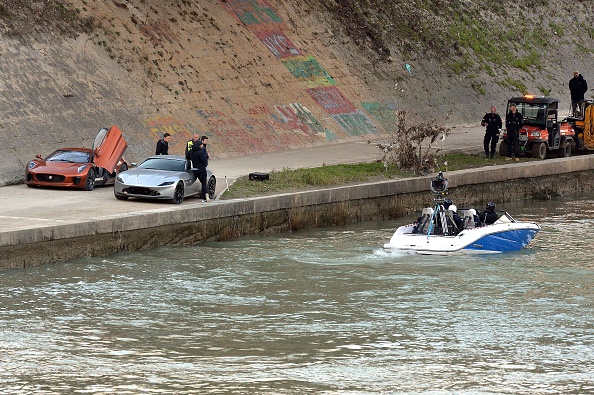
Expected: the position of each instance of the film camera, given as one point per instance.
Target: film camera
(439, 186)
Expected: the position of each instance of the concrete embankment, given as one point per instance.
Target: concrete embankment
(192, 222)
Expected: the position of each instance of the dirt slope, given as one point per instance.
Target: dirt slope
(264, 75)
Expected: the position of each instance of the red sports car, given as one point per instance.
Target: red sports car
(81, 168)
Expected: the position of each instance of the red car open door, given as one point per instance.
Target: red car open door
(109, 146)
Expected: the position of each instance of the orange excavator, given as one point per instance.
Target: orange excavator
(582, 123)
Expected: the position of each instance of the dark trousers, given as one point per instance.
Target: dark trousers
(201, 176)
(491, 140)
(575, 107)
(513, 142)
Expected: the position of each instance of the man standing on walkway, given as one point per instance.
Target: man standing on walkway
(204, 140)
(163, 145)
(493, 122)
(513, 123)
(578, 87)
(199, 163)
(190, 144)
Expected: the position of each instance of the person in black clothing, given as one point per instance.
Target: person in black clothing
(190, 144)
(204, 140)
(199, 163)
(456, 218)
(489, 216)
(163, 145)
(577, 87)
(513, 123)
(493, 122)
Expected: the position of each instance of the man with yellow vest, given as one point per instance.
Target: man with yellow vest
(190, 144)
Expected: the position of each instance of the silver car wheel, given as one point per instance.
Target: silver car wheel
(178, 195)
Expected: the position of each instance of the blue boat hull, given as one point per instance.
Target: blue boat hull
(506, 241)
(496, 238)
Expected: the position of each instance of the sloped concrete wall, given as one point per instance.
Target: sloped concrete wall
(232, 70)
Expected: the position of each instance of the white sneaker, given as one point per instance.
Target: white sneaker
(207, 198)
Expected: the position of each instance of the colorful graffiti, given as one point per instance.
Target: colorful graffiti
(331, 100)
(355, 124)
(297, 116)
(308, 70)
(384, 113)
(278, 44)
(253, 12)
(180, 131)
(262, 129)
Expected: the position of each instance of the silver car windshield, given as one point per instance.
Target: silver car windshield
(163, 164)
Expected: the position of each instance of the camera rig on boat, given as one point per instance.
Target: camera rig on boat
(439, 188)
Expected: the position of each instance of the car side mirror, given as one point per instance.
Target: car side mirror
(38, 156)
(549, 123)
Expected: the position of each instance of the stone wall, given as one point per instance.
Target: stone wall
(292, 211)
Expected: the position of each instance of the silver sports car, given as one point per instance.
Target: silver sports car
(168, 177)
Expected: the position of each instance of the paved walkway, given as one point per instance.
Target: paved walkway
(465, 137)
(26, 208)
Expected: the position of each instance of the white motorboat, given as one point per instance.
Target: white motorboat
(435, 233)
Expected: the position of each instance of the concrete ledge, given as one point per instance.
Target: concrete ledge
(187, 224)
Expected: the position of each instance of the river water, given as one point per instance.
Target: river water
(323, 311)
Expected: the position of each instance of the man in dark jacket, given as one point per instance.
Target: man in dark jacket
(190, 144)
(578, 87)
(205, 141)
(513, 123)
(163, 145)
(489, 216)
(199, 163)
(493, 122)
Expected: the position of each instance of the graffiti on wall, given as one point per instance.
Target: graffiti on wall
(384, 113)
(253, 12)
(308, 70)
(278, 44)
(331, 100)
(180, 131)
(355, 124)
(262, 129)
(286, 123)
(297, 116)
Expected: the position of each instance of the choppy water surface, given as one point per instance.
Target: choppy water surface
(322, 311)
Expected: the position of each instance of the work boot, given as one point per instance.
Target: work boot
(207, 198)
(492, 156)
(508, 158)
(517, 159)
